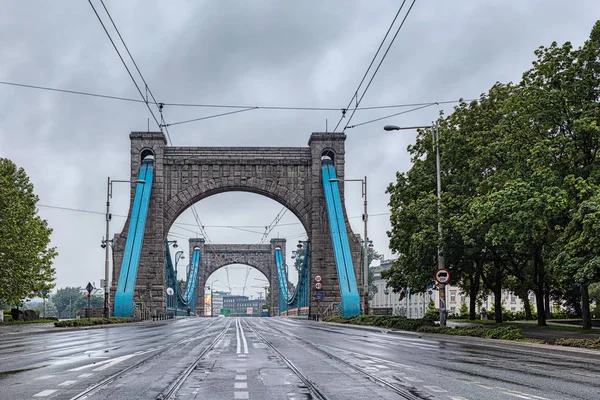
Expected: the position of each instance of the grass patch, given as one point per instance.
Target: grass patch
(93, 321)
(34, 321)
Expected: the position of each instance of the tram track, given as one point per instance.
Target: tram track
(316, 392)
(404, 393)
(155, 354)
(172, 389)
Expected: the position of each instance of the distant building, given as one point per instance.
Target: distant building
(415, 305)
(217, 301)
(242, 306)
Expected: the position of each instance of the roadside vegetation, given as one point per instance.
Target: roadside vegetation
(92, 321)
(506, 331)
(520, 199)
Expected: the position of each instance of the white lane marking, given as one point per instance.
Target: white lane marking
(381, 366)
(241, 377)
(457, 398)
(241, 385)
(86, 375)
(244, 339)
(67, 383)
(518, 395)
(436, 389)
(242, 355)
(240, 371)
(521, 393)
(241, 395)
(412, 379)
(113, 362)
(237, 337)
(44, 377)
(45, 393)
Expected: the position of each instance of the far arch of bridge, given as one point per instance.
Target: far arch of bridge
(259, 256)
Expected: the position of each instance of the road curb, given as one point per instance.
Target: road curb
(57, 329)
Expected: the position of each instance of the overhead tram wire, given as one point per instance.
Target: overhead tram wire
(368, 68)
(273, 224)
(391, 115)
(381, 61)
(124, 64)
(159, 107)
(284, 108)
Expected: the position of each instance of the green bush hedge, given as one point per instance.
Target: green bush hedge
(476, 331)
(33, 321)
(93, 321)
(585, 343)
(504, 333)
(384, 321)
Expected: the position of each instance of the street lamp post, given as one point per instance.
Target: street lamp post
(366, 240)
(436, 139)
(178, 256)
(106, 242)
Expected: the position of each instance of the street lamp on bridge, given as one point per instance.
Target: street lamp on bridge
(106, 242)
(436, 140)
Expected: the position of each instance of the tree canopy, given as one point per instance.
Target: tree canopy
(520, 183)
(26, 256)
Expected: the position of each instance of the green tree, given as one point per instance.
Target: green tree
(464, 309)
(65, 300)
(25, 254)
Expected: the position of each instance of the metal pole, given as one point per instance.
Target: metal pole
(366, 252)
(442, 287)
(44, 307)
(211, 302)
(107, 251)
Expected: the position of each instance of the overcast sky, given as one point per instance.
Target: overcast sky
(259, 53)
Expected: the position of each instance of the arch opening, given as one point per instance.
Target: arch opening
(242, 289)
(146, 153)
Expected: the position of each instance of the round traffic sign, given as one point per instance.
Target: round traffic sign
(170, 291)
(318, 286)
(317, 278)
(442, 276)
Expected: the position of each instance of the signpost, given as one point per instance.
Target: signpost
(442, 276)
(44, 293)
(225, 311)
(89, 289)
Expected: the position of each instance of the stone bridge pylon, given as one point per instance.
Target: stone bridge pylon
(186, 175)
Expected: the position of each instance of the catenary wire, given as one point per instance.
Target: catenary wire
(380, 62)
(369, 67)
(124, 63)
(291, 108)
(392, 115)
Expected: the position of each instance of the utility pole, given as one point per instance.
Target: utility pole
(442, 287)
(366, 252)
(107, 250)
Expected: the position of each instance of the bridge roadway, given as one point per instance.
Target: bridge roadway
(280, 358)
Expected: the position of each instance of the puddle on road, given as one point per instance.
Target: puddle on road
(5, 374)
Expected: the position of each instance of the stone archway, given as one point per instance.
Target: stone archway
(185, 175)
(259, 256)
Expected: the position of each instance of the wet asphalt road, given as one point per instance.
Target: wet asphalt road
(280, 358)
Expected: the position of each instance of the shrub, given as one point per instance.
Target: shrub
(585, 343)
(384, 321)
(505, 333)
(559, 314)
(477, 331)
(432, 315)
(92, 321)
